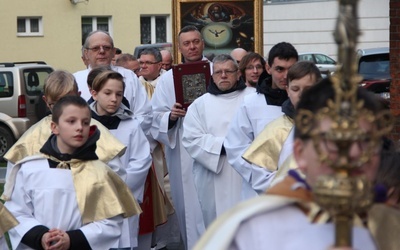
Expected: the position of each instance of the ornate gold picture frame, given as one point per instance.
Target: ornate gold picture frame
(225, 25)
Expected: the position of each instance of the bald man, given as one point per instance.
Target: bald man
(166, 62)
(238, 54)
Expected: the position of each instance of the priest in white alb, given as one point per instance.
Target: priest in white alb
(218, 185)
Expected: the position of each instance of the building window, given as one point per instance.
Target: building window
(154, 29)
(90, 24)
(29, 26)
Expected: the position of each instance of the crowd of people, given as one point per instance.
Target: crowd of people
(120, 164)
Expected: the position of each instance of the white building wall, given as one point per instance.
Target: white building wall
(309, 25)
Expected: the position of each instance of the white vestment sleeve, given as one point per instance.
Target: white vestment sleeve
(287, 148)
(21, 207)
(252, 116)
(203, 147)
(103, 234)
(3, 244)
(261, 178)
(116, 165)
(239, 137)
(139, 163)
(161, 111)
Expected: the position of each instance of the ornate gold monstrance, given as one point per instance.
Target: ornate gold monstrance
(342, 194)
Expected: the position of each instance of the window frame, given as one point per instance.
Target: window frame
(28, 31)
(153, 33)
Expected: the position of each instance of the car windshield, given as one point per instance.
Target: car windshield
(374, 67)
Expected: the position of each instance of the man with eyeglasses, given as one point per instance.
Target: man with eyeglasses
(256, 111)
(150, 61)
(99, 51)
(218, 185)
(251, 66)
(155, 212)
(168, 116)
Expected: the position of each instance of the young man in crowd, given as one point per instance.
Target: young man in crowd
(268, 147)
(256, 111)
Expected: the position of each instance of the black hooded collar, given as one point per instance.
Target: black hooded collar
(274, 97)
(110, 122)
(288, 108)
(214, 90)
(85, 153)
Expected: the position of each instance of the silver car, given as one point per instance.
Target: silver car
(325, 64)
(21, 87)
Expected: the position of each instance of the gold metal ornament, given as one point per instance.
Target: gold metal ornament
(340, 193)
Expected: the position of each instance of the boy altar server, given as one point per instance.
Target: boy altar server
(66, 198)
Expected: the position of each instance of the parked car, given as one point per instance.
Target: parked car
(374, 67)
(325, 64)
(21, 85)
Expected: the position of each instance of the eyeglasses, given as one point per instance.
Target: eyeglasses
(227, 72)
(147, 63)
(98, 48)
(257, 67)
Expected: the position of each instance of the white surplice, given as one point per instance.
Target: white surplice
(134, 93)
(137, 162)
(3, 243)
(46, 196)
(204, 128)
(249, 121)
(274, 222)
(179, 163)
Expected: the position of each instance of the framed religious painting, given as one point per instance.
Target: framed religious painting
(224, 25)
(190, 81)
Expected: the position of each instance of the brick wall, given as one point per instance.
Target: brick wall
(395, 65)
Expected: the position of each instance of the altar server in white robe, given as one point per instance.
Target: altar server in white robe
(206, 123)
(99, 50)
(167, 128)
(256, 111)
(107, 108)
(66, 198)
(271, 144)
